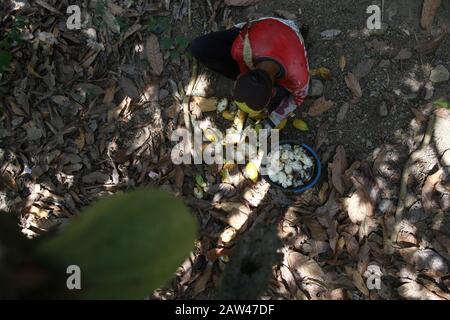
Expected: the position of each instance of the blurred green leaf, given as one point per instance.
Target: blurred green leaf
(15, 35)
(4, 44)
(112, 22)
(126, 245)
(174, 55)
(159, 25)
(100, 7)
(182, 42)
(124, 26)
(5, 60)
(166, 43)
(442, 103)
(200, 181)
(16, 30)
(99, 11)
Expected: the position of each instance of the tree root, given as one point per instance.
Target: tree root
(407, 168)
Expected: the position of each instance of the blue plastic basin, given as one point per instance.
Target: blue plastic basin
(317, 169)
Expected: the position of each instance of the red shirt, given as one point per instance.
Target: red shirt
(274, 39)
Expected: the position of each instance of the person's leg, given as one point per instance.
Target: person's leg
(304, 30)
(214, 51)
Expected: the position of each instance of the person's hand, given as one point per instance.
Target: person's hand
(286, 107)
(267, 124)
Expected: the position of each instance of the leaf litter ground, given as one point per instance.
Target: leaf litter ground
(88, 114)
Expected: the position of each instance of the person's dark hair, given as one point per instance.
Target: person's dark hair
(254, 88)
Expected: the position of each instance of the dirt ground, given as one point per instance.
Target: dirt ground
(85, 117)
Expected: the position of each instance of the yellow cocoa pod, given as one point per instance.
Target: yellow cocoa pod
(251, 172)
(300, 125)
(281, 125)
(227, 115)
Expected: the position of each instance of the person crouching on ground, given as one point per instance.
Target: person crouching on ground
(268, 60)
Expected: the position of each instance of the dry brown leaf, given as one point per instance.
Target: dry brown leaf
(433, 287)
(338, 167)
(330, 208)
(230, 206)
(425, 260)
(256, 193)
(289, 279)
(337, 294)
(109, 94)
(333, 235)
(316, 230)
(138, 141)
(80, 141)
(363, 201)
(366, 180)
(407, 239)
(115, 9)
(228, 235)
(95, 177)
(358, 206)
(202, 281)
(179, 177)
(17, 109)
(403, 54)
(237, 219)
(173, 110)
(433, 44)
(363, 257)
(129, 87)
(154, 55)
(205, 104)
(363, 68)
(444, 240)
(342, 62)
(353, 85)
(7, 181)
(115, 112)
(214, 254)
(133, 29)
(61, 101)
(359, 282)
(352, 246)
(305, 267)
(429, 10)
(314, 248)
(238, 213)
(368, 225)
(322, 135)
(39, 212)
(90, 58)
(427, 191)
(47, 6)
(418, 115)
(150, 92)
(286, 14)
(111, 21)
(240, 3)
(323, 193)
(320, 106)
(415, 291)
